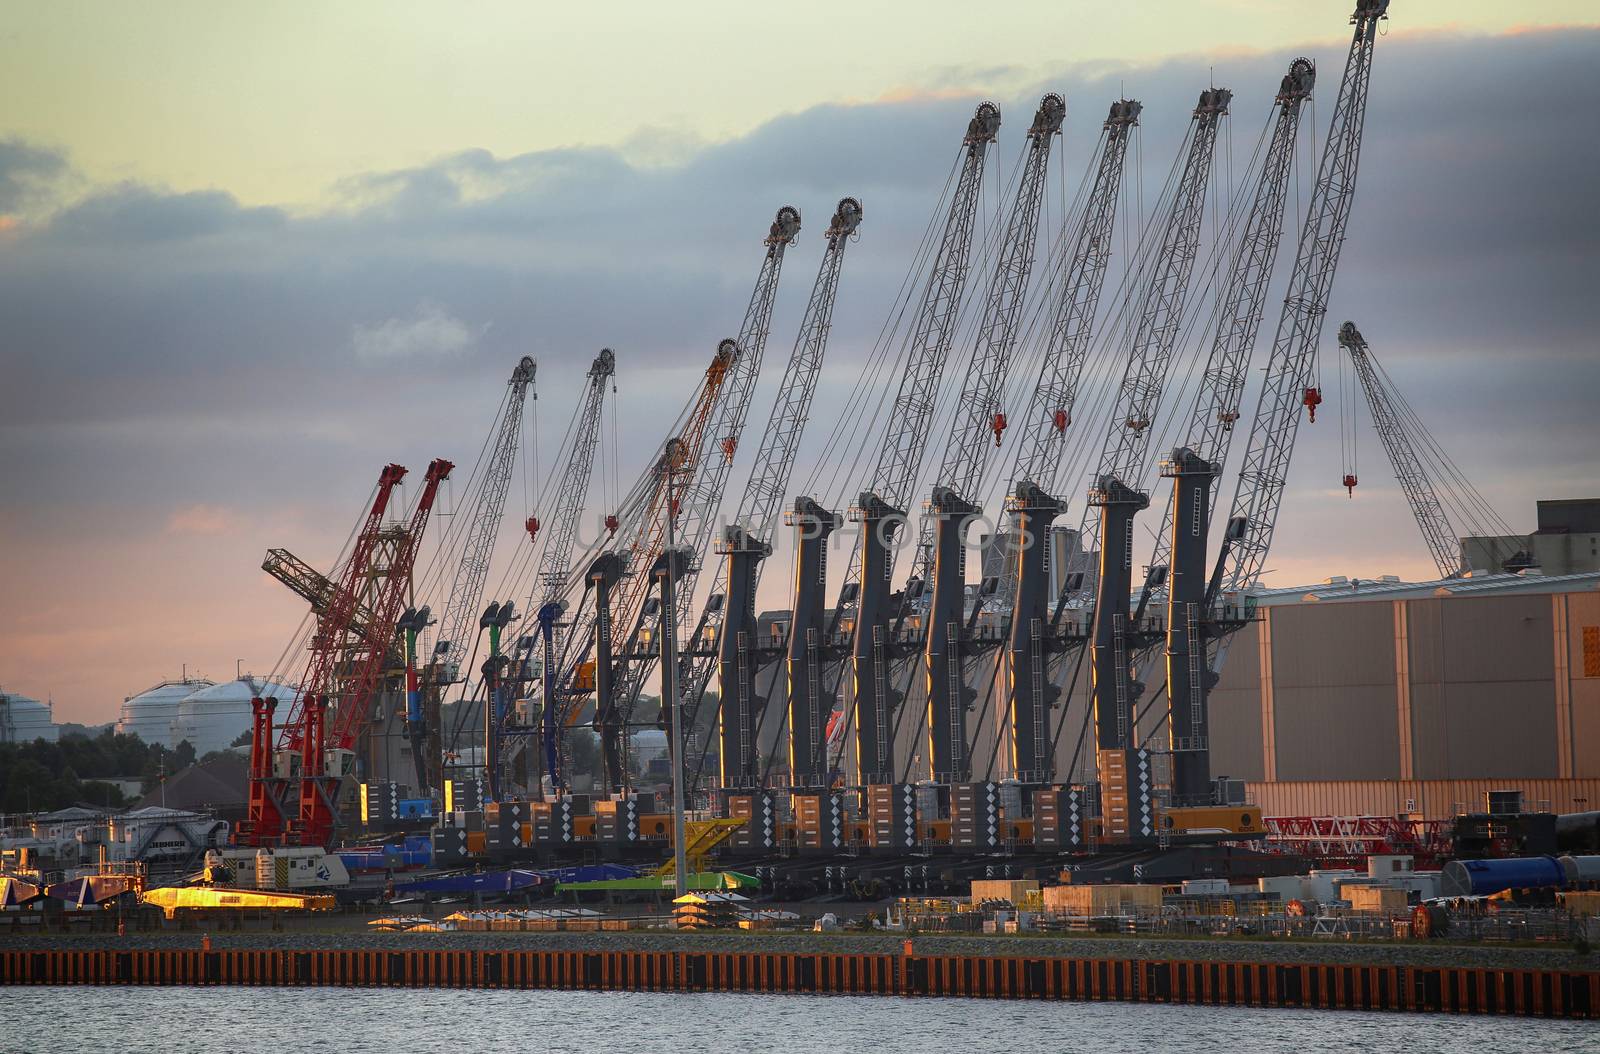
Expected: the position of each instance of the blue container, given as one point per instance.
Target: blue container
(1482, 878)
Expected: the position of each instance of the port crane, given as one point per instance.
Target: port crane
(511, 732)
(698, 498)
(1177, 567)
(555, 559)
(1437, 531)
(1287, 391)
(1288, 388)
(728, 626)
(466, 589)
(979, 416)
(1439, 495)
(620, 579)
(294, 788)
(1044, 431)
(880, 508)
(1124, 774)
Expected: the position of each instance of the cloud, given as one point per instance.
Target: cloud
(134, 214)
(26, 170)
(202, 519)
(429, 332)
(165, 349)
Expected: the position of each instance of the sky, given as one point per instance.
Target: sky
(251, 253)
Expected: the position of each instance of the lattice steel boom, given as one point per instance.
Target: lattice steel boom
(1437, 530)
(1290, 368)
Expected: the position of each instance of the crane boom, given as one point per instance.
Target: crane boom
(555, 560)
(1028, 689)
(1124, 775)
(678, 458)
(1241, 300)
(1437, 530)
(1049, 414)
(700, 498)
(941, 547)
(748, 540)
(466, 590)
(880, 508)
(1285, 391)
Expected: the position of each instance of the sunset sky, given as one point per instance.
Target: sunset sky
(250, 253)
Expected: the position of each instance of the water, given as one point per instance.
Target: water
(362, 1020)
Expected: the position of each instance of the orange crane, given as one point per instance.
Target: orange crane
(294, 788)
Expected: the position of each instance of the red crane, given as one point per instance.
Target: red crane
(345, 670)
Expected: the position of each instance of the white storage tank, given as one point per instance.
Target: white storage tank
(149, 714)
(214, 716)
(22, 720)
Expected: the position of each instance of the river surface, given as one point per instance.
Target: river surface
(359, 1020)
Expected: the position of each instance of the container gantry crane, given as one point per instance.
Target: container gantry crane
(1125, 779)
(346, 670)
(1437, 530)
(1044, 430)
(729, 626)
(880, 509)
(466, 590)
(1195, 464)
(978, 417)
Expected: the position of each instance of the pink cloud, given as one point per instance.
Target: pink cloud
(202, 519)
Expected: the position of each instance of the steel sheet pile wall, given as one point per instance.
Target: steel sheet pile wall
(1543, 993)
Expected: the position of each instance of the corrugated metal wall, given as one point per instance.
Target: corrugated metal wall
(1435, 799)
(1497, 687)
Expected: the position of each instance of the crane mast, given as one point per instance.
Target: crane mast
(880, 509)
(730, 624)
(1437, 531)
(941, 548)
(1127, 804)
(1290, 368)
(1044, 434)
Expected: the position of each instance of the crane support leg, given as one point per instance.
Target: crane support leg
(807, 702)
(1189, 678)
(735, 658)
(604, 574)
(1126, 799)
(947, 694)
(874, 701)
(1029, 692)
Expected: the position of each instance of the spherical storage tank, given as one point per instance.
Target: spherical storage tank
(149, 714)
(22, 720)
(212, 718)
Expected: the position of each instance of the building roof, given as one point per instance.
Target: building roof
(1390, 588)
(217, 783)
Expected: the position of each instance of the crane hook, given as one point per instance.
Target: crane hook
(1350, 484)
(1312, 399)
(999, 426)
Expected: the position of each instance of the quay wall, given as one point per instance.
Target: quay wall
(1458, 990)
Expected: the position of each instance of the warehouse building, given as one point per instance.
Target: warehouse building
(1386, 697)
